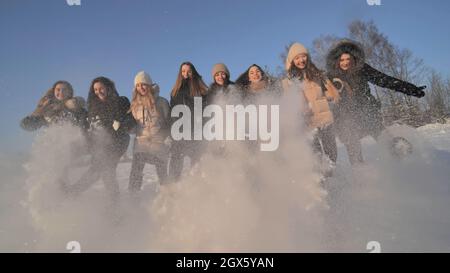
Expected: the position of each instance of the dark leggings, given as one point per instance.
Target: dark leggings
(326, 140)
(137, 169)
(99, 169)
(103, 166)
(353, 145)
(179, 150)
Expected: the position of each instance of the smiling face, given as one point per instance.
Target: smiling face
(186, 71)
(345, 61)
(254, 74)
(61, 91)
(100, 91)
(220, 78)
(300, 61)
(143, 89)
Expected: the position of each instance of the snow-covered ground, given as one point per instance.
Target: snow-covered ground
(402, 204)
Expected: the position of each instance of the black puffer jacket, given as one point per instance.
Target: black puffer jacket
(112, 118)
(183, 97)
(357, 103)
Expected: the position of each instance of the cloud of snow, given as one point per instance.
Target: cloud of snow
(245, 200)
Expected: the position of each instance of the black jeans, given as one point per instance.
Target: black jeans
(100, 168)
(325, 139)
(103, 166)
(180, 149)
(137, 169)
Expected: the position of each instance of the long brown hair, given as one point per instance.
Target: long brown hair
(353, 66)
(310, 72)
(197, 86)
(49, 97)
(112, 96)
(243, 80)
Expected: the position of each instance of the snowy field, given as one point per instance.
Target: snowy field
(402, 204)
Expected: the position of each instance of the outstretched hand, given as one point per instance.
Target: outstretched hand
(32, 123)
(418, 92)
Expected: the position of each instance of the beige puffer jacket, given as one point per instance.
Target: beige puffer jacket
(152, 128)
(316, 100)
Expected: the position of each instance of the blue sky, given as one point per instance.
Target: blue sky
(45, 41)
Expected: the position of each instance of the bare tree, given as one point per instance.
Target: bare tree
(437, 97)
(320, 48)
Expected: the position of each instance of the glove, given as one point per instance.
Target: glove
(338, 84)
(418, 92)
(168, 141)
(32, 123)
(116, 125)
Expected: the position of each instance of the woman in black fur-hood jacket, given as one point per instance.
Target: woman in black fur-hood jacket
(359, 114)
(109, 123)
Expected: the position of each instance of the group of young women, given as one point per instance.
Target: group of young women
(337, 101)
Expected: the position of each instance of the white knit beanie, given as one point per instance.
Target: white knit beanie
(143, 77)
(294, 50)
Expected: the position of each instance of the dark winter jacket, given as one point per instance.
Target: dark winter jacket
(357, 102)
(183, 97)
(109, 124)
(50, 111)
(270, 91)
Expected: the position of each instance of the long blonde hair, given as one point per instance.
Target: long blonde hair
(148, 101)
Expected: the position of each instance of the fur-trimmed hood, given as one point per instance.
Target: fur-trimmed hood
(345, 46)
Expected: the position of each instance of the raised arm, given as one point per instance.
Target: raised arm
(379, 78)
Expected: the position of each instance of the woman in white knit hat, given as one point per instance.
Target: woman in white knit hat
(318, 93)
(152, 114)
